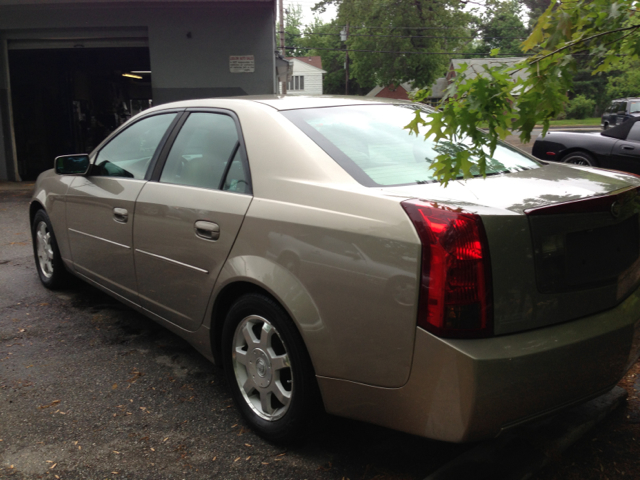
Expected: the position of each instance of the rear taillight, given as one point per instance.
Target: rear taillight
(455, 288)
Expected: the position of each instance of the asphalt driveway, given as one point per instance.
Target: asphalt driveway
(91, 389)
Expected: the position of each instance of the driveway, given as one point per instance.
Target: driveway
(91, 389)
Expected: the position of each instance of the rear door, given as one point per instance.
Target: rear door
(187, 220)
(100, 205)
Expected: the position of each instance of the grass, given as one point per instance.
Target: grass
(590, 122)
(572, 122)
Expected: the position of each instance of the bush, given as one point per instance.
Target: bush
(580, 107)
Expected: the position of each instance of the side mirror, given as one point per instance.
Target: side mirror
(72, 164)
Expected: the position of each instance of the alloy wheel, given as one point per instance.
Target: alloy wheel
(44, 249)
(262, 367)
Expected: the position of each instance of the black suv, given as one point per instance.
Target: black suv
(619, 111)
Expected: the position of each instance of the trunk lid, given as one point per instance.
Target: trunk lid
(564, 240)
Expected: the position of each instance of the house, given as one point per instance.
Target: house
(71, 71)
(404, 91)
(475, 66)
(307, 76)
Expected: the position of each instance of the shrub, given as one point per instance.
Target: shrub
(580, 107)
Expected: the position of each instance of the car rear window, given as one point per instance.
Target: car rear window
(372, 145)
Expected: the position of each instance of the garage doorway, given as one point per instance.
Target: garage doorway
(68, 100)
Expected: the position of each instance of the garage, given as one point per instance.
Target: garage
(85, 95)
(72, 71)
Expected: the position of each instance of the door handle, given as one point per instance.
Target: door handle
(120, 215)
(627, 147)
(207, 230)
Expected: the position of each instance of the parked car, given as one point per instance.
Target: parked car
(304, 244)
(619, 112)
(617, 148)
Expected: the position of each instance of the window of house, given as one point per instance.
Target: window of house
(296, 83)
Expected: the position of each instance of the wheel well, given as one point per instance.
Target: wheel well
(33, 209)
(225, 299)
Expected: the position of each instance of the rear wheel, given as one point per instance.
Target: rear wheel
(580, 158)
(49, 263)
(268, 368)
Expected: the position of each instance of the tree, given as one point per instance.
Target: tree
(323, 39)
(599, 31)
(501, 27)
(627, 81)
(292, 31)
(394, 41)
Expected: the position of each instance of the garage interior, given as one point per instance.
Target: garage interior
(67, 100)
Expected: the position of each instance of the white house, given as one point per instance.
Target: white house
(307, 76)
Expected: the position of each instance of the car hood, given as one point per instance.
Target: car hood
(513, 193)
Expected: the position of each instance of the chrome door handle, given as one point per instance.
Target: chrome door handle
(207, 230)
(120, 215)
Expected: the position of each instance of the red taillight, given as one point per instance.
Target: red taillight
(456, 277)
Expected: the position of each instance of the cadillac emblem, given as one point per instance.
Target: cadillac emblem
(616, 209)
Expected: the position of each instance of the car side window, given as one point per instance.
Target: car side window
(237, 179)
(199, 156)
(634, 133)
(130, 152)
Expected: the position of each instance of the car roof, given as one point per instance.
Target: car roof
(286, 102)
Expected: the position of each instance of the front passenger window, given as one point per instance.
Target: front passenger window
(129, 154)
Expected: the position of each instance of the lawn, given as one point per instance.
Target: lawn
(573, 122)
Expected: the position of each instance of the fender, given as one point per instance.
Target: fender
(290, 293)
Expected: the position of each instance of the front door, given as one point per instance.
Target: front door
(187, 221)
(100, 206)
(625, 154)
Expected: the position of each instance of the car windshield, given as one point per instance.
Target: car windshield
(372, 145)
(634, 107)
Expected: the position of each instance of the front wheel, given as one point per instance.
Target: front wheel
(49, 263)
(268, 368)
(580, 158)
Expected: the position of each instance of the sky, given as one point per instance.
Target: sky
(307, 14)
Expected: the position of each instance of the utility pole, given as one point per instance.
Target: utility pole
(346, 61)
(281, 13)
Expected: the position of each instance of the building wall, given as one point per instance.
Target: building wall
(189, 44)
(312, 79)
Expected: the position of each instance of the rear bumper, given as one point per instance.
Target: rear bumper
(467, 390)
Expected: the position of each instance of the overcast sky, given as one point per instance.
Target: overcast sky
(307, 14)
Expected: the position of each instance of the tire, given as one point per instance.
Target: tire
(51, 269)
(580, 158)
(605, 126)
(268, 369)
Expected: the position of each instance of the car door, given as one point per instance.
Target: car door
(187, 219)
(625, 154)
(100, 205)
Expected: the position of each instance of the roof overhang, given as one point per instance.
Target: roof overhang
(133, 2)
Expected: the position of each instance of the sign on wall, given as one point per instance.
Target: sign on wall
(242, 64)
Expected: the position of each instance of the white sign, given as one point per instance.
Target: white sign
(242, 64)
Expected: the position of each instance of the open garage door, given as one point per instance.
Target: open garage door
(69, 94)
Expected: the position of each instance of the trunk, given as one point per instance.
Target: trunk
(564, 254)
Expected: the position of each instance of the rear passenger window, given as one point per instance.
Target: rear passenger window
(199, 156)
(237, 179)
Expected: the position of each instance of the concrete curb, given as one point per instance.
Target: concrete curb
(518, 454)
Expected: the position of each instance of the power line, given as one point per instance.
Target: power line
(519, 54)
(401, 36)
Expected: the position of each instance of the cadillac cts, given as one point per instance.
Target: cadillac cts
(303, 244)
